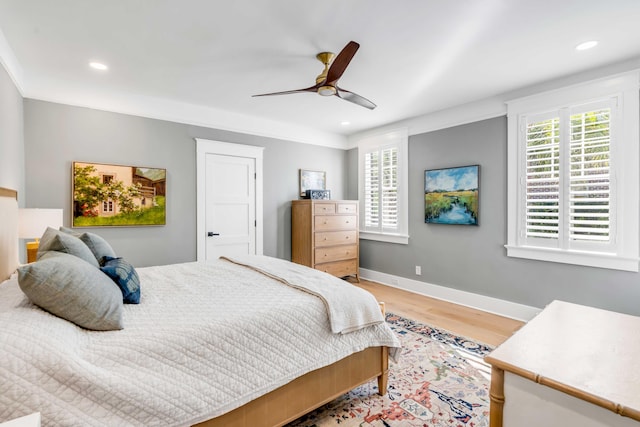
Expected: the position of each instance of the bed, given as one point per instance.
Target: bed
(220, 343)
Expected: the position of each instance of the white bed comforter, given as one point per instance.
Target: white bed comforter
(344, 316)
(206, 338)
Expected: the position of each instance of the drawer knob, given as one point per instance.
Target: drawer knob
(347, 222)
(346, 237)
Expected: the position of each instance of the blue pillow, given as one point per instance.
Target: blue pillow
(125, 277)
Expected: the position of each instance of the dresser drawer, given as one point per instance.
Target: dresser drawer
(347, 208)
(324, 208)
(330, 238)
(340, 268)
(336, 253)
(336, 222)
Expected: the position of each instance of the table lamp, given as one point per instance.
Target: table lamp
(32, 224)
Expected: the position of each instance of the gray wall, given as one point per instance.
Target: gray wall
(56, 135)
(467, 258)
(473, 259)
(11, 137)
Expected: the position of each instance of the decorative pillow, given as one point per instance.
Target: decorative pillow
(100, 247)
(57, 241)
(125, 277)
(70, 231)
(73, 289)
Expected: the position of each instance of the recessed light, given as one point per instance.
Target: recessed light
(345, 123)
(587, 45)
(98, 66)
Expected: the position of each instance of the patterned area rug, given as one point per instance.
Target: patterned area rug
(440, 380)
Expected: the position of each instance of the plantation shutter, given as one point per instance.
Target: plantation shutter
(589, 182)
(371, 190)
(573, 174)
(381, 189)
(389, 199)
(567, 179)
(543, 179)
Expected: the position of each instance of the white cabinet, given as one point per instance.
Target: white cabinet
(570, 366)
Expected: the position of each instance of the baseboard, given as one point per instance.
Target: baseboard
(481, 302)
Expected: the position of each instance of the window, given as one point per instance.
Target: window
(383, 187)
(107, 206)
(573, 175)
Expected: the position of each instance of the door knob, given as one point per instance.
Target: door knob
(211, 234)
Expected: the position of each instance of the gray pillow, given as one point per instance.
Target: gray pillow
(100, 247)
(54, 240)
(70, 231)
(71, 288)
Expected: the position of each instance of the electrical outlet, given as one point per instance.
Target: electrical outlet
(394, 282)
(418, 270)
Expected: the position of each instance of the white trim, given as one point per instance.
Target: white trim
(385, 237)
(589, 259)
(204, 147)
(596, 89)
(468, 299)
(181, 112)
(625, 154)
(397, 138)
(10, 63)
(459, 115)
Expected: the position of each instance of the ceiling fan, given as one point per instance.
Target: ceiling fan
(327, 81)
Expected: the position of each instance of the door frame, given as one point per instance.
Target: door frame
(207, 146)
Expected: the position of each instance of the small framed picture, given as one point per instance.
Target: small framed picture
(312, 180)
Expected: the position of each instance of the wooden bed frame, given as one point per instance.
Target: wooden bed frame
(276, 408)
(309, 391)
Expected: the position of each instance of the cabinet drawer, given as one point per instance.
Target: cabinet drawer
(324, 208)
(337, 222)
(336, 253)
(330, 238)
(339, 268)
(344, 208)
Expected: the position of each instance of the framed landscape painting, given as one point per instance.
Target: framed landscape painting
(114, 195)
(451, 195)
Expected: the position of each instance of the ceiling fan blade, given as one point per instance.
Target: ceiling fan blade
(355, 98)
(287, 92)
(341, 62)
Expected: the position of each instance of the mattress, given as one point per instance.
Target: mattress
(206, 338)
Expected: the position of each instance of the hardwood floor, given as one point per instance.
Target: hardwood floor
(485, 327)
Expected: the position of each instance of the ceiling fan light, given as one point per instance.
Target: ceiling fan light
(326, 90)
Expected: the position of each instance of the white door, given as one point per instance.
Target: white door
(229, 219)
(231, 207)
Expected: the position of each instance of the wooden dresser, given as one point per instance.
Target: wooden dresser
(324, 236)
(571, 365)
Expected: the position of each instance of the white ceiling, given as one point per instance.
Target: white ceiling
(416, 56)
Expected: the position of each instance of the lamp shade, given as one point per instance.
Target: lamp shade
(32, 223)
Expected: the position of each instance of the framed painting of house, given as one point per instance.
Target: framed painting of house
(115, 195)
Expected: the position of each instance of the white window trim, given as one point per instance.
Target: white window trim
(400, 138)
(624, 87)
